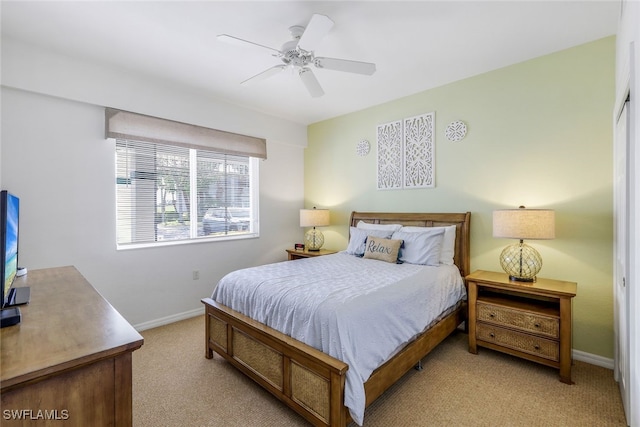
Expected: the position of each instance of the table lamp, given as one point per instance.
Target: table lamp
(520, 261)
(314, 239)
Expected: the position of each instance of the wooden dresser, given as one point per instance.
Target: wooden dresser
(528, 320)
(69, 360)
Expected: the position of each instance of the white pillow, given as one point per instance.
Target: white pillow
(358, 237)
(388, 227)
(421, 248)
(447, 250)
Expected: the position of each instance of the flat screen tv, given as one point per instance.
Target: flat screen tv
(9, 216)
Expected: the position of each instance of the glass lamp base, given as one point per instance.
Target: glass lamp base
(521, 262)
(313, 239)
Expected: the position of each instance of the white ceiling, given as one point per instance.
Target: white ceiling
(416, 45)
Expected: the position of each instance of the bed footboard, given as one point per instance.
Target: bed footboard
(308, 381)
(305, 379)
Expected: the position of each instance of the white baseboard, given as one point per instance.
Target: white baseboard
(593, 359)
(169, 319)
(582, 356)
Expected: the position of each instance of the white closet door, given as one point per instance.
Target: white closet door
(621, 255)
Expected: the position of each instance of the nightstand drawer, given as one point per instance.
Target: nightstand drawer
(525, 343)
(518, 319)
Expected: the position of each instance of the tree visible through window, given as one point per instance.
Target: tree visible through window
(172, 193)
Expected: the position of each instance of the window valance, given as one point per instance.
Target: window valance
(139, 127)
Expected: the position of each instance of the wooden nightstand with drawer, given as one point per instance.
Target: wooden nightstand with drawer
(294, 254)
(527, 320)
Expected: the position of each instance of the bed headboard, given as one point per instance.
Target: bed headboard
(462, 221)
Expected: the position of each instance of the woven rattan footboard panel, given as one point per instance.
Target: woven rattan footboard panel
(307, 380)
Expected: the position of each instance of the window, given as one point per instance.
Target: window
(178, 183)
(170, 193)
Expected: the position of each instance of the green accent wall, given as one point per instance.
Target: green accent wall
(539, 134)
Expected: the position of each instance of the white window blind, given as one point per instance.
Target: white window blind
(170, 194)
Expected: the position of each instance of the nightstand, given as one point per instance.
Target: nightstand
(293, 254)
(527, 320)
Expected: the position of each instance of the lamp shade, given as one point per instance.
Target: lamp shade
(314, 217)
(529, 224)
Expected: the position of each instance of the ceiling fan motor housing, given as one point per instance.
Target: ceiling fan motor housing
(291, 54)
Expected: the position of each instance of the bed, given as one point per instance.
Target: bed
(310, 381)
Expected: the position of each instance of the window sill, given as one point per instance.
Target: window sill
(163, 243)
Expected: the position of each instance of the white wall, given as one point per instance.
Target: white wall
(55, 158)
(34, 69)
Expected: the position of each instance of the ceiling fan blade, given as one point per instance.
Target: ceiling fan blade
(310, 81)
(264, 75)
(318, 27)
(244, 43)
(357, 67)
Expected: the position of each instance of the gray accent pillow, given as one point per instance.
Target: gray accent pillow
(358, 237)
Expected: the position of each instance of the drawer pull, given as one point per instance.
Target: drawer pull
(492, 335)
(492, 315)
(537, 325)
(537, 347)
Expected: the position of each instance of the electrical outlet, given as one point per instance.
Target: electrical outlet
(196, 275)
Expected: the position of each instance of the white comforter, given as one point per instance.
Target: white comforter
(360, 311)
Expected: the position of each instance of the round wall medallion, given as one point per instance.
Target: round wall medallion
(362, 148)
(456, 131)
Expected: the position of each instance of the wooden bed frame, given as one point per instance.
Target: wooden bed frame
(311, 382)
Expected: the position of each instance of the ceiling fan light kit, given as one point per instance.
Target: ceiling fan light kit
(299, 54)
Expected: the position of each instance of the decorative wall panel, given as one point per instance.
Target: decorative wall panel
(389, 138)
(419, 151)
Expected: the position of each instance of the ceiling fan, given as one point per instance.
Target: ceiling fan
(298, 54)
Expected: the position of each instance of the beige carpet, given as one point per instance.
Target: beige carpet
(174, 385)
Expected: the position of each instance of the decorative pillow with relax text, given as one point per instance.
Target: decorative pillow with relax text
(382, 249)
